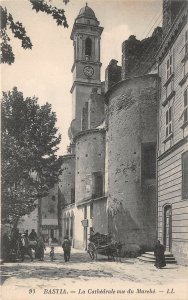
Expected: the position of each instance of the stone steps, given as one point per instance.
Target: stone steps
(149, 257)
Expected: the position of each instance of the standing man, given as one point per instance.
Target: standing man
(40, 247)
(159, 251)
(66, 248)
(25, 248)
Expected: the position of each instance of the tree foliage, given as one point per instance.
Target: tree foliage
(30, 166)
(18, 30)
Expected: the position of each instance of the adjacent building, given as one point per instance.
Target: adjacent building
(172, 156)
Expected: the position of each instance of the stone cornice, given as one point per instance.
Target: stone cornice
(85, 132)
(85, 27)
(68, 206)
(118, 84)
(77, 82)
(90, 200)
(173, 148)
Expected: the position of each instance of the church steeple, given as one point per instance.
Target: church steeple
(86, 35)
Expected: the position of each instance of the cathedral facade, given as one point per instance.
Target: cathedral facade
(113, 133)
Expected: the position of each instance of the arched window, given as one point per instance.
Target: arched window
(88, 47)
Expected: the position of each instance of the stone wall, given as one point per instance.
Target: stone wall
(132, 123)
(90, 160)
(67, 180)
(112, 74)
(100, 216)
(95, 109)
(138, 57)
(90, 153)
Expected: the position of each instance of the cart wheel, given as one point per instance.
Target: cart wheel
(92, 251)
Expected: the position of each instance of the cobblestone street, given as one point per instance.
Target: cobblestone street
(81, 277)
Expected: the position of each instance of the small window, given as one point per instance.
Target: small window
(168, 121)
(88, 47)
(185, 175)
(91, 210)
(169, 66)
(53, 198)
(97, 185)
(185, 111)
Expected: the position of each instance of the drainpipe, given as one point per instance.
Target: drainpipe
(158, 100)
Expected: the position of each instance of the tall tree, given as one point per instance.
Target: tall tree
(18, 30)
(30, 166)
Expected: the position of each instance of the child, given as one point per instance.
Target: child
(52, 254)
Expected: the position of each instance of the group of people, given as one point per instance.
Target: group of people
(18, 245)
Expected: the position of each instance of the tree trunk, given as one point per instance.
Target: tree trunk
(39, 228)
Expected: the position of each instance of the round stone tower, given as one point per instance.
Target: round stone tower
(132, 138)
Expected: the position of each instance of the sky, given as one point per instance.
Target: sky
(45, 71)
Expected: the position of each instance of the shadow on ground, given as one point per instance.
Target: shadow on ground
(80, 266)
(52, 270)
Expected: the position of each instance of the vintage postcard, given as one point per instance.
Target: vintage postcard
(94, 140)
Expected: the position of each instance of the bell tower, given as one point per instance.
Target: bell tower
(86, 35)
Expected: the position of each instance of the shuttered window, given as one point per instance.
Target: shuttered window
(168, 121)
(186, 42)
(169, 66)
(185, 112)
(185, 175)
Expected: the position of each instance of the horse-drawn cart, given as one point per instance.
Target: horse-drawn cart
(103, 244)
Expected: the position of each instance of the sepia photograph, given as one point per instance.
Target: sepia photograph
(94, 150)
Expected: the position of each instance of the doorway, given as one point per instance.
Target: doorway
(167, 239)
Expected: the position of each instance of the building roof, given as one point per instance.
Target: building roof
(86, 12)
